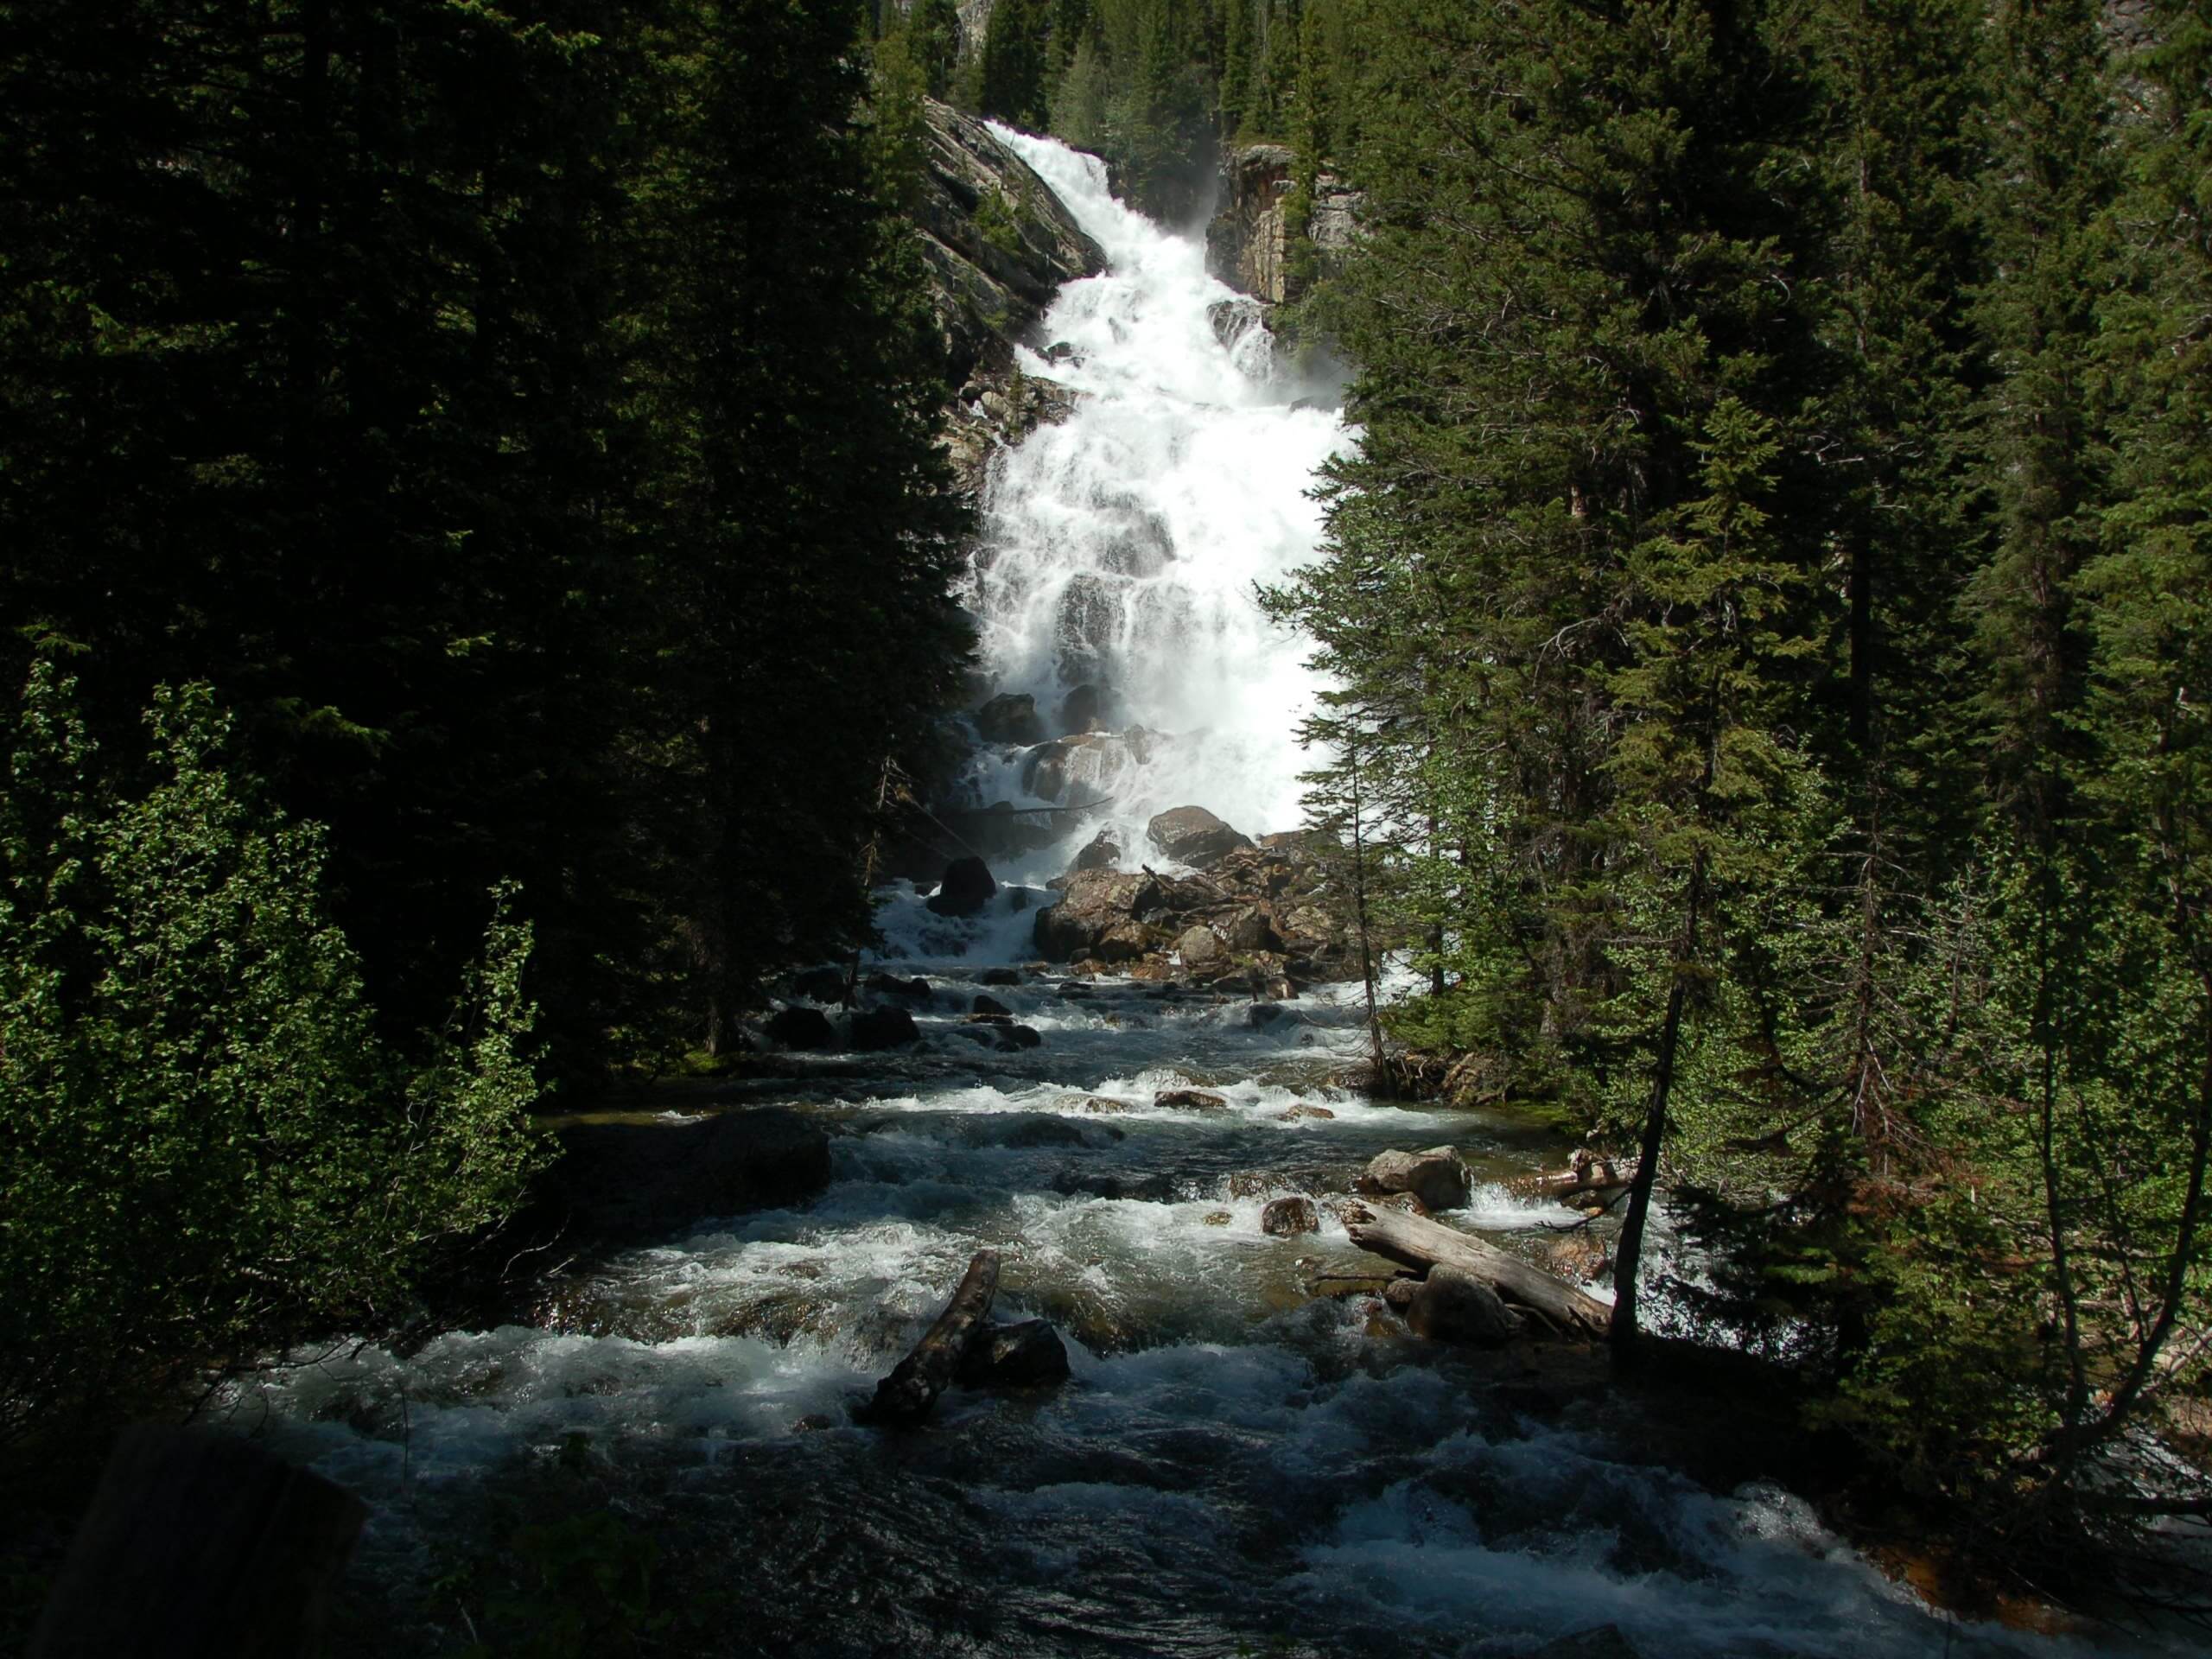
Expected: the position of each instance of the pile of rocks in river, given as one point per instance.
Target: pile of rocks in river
(1252, 916)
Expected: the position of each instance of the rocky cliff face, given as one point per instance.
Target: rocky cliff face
(1247, 243)
(998, 245)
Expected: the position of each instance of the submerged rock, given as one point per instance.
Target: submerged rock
(990, 1005)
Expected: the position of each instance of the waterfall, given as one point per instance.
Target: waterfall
(1121, 547)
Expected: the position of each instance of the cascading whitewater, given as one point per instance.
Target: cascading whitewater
(1121, 547)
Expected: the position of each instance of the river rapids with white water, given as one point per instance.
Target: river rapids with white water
(1242, 1462)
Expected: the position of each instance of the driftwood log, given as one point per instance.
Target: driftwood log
(200, 1543)
(1588, 1179)
(1419, 1242)
(907, 1393)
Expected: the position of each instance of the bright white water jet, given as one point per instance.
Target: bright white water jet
(1122, 547)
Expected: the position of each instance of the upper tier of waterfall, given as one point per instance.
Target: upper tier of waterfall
(1122, 549)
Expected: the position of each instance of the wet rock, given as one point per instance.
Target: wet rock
(886, 985)
(1248, 928)
(1085, 626)
(801, 1028)
(1400, 1293)
(983, 1035)
(1578, 1257)
(1263, 1014)
(1014, 1037)
(622, 1179)
(1605, 1642)
(1103, 852)
(967, 887)
(1063, 351)
(1455, 1306)
(1073, 987)
(991, 1005)
(1029, 1355)
(1284, 1217)
(1199, 946)
(1010, 717)
(1218, 1218)
(875, 1029)
(1001, 976)
(1094, 902)
(1436, 1177)
(1192, 835)
(1301, 1110)
(1082, 710)
(1096, 1104)
(1075, 770)
(820, 985)
(1190, 1100)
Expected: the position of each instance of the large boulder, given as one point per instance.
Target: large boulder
(875, 1029)
(1010, 717)
(1199, 946)
(1082, 710)
(1455, 1306)
(1436, 1177)
(1102, 852)
(1025, 1356)
(1192, 835)
(627, 1180)
(798, 1027)
(1076, 769)
(1095, 902)
(967, 887)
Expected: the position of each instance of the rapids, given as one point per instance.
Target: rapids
(1242, 1463)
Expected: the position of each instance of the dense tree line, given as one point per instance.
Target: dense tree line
(522, 419)
(496, 445)
(1770, 612)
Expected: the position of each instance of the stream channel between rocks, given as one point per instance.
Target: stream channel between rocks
(1246, 1460)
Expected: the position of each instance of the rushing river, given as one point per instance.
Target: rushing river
(1244, 1461)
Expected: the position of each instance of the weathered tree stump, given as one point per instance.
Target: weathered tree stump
(200, 1543)
(907, 1393)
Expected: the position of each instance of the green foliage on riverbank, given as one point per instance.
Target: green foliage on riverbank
(205, 1141)
(1770, 608)
(522, 419)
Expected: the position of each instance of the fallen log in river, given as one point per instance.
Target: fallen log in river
(907, 1394)
(1416, 1242)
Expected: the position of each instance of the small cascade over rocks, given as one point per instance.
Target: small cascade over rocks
(1131, 668)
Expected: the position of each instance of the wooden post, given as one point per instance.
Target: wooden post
(200, 1543)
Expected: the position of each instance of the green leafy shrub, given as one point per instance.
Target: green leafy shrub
(203, 1140)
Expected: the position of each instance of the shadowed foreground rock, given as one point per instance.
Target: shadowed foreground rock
(626, 1179)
